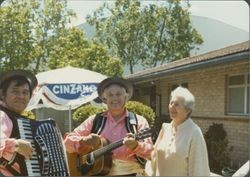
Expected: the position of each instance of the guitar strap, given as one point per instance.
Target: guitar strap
(98, 123)
(131, 126)
(8, 165)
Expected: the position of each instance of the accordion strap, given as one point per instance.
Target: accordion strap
(8, 165)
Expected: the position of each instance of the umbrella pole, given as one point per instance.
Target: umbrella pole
(70, 122)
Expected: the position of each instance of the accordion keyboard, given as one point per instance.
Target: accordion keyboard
(49, 157)
(25, 131)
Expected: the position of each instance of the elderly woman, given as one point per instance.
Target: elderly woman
(180, 149)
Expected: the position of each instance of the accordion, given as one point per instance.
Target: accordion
(49, 155)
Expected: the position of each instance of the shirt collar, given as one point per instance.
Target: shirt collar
(183, 125)
(108, 114)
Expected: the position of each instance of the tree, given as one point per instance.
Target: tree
(173, 36)
(67, 49)
(98, 59)
(26, 34)
(38, 38)
(71, 47)
(16, 41)
(50, 20)
(150, 34)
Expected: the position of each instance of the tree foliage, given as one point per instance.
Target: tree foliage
(16, 41)
(147, 34)
(143, 110)
(67, 49)
(83, 112)
(72, 48)
(38, 38)
(27, 28)
(49, 20)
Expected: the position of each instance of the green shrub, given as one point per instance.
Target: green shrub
(141, 109)
(82, 113)
(85, 111)
(217, 145)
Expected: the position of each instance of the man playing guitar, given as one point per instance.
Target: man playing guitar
(115, 92)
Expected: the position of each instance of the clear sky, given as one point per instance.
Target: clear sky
(235, 13)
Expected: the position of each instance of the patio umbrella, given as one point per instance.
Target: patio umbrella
(65, 89)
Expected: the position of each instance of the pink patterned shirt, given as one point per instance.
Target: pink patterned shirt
(7, 144)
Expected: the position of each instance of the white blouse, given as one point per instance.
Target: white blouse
(179, 153)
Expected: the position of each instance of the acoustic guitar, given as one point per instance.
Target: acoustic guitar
(98, 161)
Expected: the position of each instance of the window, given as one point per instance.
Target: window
(238, 94)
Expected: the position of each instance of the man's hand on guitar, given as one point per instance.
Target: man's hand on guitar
(92, 139)
(130, 141)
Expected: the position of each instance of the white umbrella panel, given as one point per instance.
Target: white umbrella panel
(65, 89)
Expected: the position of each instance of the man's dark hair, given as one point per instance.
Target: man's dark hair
(20, 80)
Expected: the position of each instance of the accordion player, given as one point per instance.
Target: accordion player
(20, 138)
(49, 155)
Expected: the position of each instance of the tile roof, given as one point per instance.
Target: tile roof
(241, 47)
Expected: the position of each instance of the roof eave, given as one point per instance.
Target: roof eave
(245, 55)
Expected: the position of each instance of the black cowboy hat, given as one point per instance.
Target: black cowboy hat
(115, 80)
(31, 78)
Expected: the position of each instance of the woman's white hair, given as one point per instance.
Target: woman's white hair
(189, 100)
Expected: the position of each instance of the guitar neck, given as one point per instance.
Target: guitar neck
(108, 148)
(99, 152)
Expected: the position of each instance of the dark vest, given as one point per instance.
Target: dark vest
(12, 115)
(131, 126)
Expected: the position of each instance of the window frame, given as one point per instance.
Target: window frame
(245, 85)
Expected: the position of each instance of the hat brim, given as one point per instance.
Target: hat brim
(31, 78)
(112, 81)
